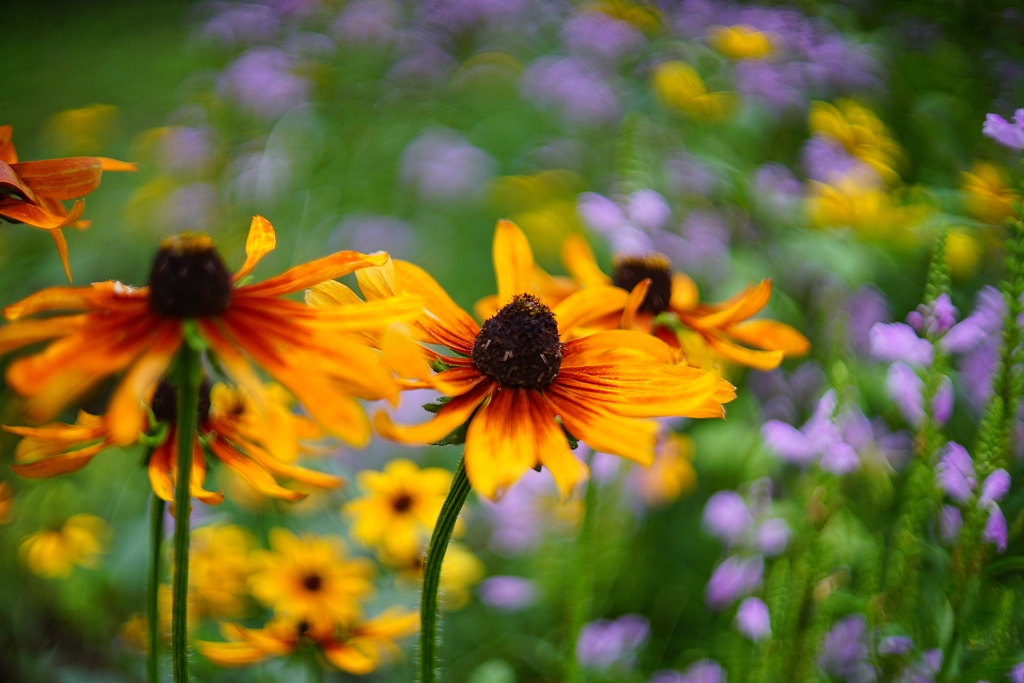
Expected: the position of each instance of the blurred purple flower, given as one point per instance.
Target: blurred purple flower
(726, 517)
(238, 23)
(892, 342)
(701, 671)
(753, 620)
(368, 233)
(955, 472)
(456, 16)
(995, 529)
(845, 651)
(780, 86)
(976, 371)
(1005, 133)
(924, 669)
(827, 161)
(935, 318)
(702, 246)
(895, 645)
(261, 81)
(443, 166)
(772, 536)
(942, 402)
(648, 210)
(508, 593)
(951, 520)
(787, 396)
(688, 175)
(184, 150)
(601, 214)
(1017, 673)
(575, 86)
(367, 21)
(517, 519)
(603, 644)
(980, 325)
(595, 34)
(864, 309)
(734, 578)
(995, 487)
(778, 188)
(820, 438)
(193, 207)
(904, 388)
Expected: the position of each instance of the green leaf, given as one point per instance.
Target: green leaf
(435, 406)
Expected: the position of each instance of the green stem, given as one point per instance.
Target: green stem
(156, 537)
(429, 640)
(188, 409)
(583, 586)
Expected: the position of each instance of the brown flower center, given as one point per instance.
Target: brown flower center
(631, 271)
(313, 583)
(188, 278)
(165, 401)
(402, 503)
(519, 346)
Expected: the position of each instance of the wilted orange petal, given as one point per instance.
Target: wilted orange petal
(126, 415)
(59, 464)
(260, 242)
(8, 155)
(39, 217)
(770, 335)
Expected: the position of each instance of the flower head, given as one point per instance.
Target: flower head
(218, 569)
(54, 554)
(680, 87)
(603, 644)
(753, 619)
(988, 194)
(740, 42)
(1005, 133)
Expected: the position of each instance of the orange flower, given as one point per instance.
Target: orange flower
(191, 292)
(358, 648)
(32, 192)
(521, 382)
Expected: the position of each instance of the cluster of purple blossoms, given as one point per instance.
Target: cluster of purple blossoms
(844, 655)
(749, 533)
(1005, 133)
(702, 671)
(579, 88)
(605, 644)
(955, 476)
(777, 189)
(865, 308)
(601, 37)
(808, 58)
(443, 166)
(826, 160)
(836, 442)
(263, 82)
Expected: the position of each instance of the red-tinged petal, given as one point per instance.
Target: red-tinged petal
(452, 416)
(439, 306)
(501, 443)
(578, 259)
(11, 182)
(8, 155)
(160, 466)
(312, 273)
(37, 216)
(610, 345)
(64, 463)
(740, 307)
(198, 477)
(588, 305)
(61, 178)
(62, 251)
(126, 415)
(553, 448)
(260, 242)
(513, 261)
(630, 438)
(644, 389)
(27, 332)
(252, 472)
(770, 335)
(98, 295)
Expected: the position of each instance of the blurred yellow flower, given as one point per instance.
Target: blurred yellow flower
(54, 554)
(642, 15)
(870, 211)
(399, 508)
(861, 132)
(740, 42)
(679, 86)
(672, 474)
(6, 502)
(460, 571)
(963, 253)
(309, 580)
(219, 569)
(987, 194)
(542, 204)
(81, 131)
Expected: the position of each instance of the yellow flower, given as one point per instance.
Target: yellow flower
(460, 571)
(644, 16)
(861, 132)
(399, 508)
(542, 204)
(82, 131)
(963, 253)
(219, 569)
(357, 648)
(988, 196)
(54, 554)
(672, 474)
(680, 86)
(740, 42)
(309, 580)
(870, 211)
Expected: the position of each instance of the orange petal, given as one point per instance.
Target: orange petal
(37, 216)
(513, 260)
(7, 153)
(126, 415)
(348, 658)
(108, 164)
(332, 293)
(415, 280)
(253, 472)
(552, 447)
(64, 463)
(619, 345)
(623, 436)
(379, 282)
(578, 259)
(770, 335)
(62, 250)
(98, 295)
(198, 477)
(160, 465)
(26, 332)
(636, 299)
(10, 182)
(739, 307)
(61, 178)
(501, 443)
(685, 296)
(751, 358)
(588, 305)
(312, 273)
(260, 242)
(231, 654)
(486, 307)
(452, 416)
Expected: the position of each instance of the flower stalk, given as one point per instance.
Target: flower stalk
(429, 639)
(188, 382)
(582, 593)
(156, 537)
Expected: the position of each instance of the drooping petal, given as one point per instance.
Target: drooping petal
(161, 464)
(738, 308)
(552, 447)
(7, 153)
(751, 358)
(452, 416)
(254, 473)
(71, 461)
(501, 443)
(12, 184)
(31, 331)
(348, 658)
(513, 261)
(69, 178)
(38, 216)
(62, 250)
(260, 242)
(308, 274)
(770, 335)
(632, 308)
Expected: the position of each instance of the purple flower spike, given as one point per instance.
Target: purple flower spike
(951, 520)
(955, 472)
(753, 619)
(899, 342)
(1005, 133)
(904, 388)
(995, 529)
(508, 593)
(1017, 673)
(942, 402)
(895, 645)
(788, 442)
(996, 486)
(845, 652)
(733, 579)
(726, 516)
(839, 458)
(772, 537)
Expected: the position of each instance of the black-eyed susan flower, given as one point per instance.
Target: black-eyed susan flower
(310, 580)
(520, 382)
(54, 553)
(33, 192)
(358, 647)
(139, 330)
(398, 509)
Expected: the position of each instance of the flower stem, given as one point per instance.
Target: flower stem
(188, 408)
(583, 586)
(156, 537)
(429, 640)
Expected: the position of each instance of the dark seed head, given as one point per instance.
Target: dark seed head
(188, 278)
(631, 271)
(519, 346)
(402, 503)
(313, 582)
(165, 402)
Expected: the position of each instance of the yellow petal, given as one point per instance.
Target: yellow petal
(513, 260)
(260, 242)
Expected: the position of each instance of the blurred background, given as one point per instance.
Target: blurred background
(824, 145)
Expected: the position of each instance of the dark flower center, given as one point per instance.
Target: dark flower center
(313, 582)
(188, 278)
(519, 346)
(165, 401)
(631, 271)
(402, 503)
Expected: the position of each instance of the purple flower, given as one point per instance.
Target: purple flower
(899, 342)
(951, 520)
(191, 207)
(771, 537)
(979, 326)
(1017, 673)
(603, 644)
(845, 651)
(575, 86)
(702, 245)
(240, 23)
(1005, 133)
(827, 161)
(648, 210)
(788, 443)
(443, 166)
(995, 487)
(595, 34)
(369, 233)
(753, 620)
(864, 308)
(367, 21)
(508, 593)
(904, 388)
(924, 669)
(262, 82)
(780, 86)
(895, 645)
(185, 151)
(955, 472)
(517, 519)
(942, 402)
(734, 578)
(688, 175)
(702, 671)
(602, 215)
(726, 516)
(995, 528)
